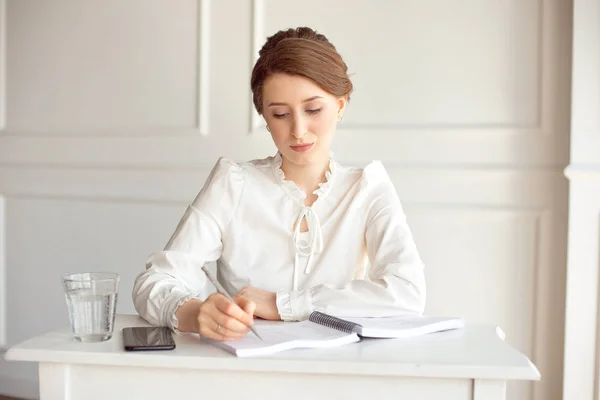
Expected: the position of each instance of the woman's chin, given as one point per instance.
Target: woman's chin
(299, 158)
(305, 157)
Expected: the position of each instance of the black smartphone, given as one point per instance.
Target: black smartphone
(148, 338)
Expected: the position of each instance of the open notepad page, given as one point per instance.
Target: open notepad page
(280, 336)
(404, 326)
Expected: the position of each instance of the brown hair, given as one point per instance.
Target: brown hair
(303, 52)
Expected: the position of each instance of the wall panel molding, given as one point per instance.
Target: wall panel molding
(415, 148)
(2, 65)
(544, 271)
(3, 288)
(203, 95)
(546, 76)
(460, 187)
(548, 295)
(202, 109)
(257, 37)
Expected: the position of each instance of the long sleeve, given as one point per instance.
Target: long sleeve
(174, 275)
(396, 280)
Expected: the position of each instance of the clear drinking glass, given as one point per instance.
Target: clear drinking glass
(92, 302)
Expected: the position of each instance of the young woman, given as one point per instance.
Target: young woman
(292, 233)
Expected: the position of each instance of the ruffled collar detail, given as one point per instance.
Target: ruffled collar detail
(293, 189)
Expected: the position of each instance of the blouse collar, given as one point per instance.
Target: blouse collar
(314, 245)
(293, 190)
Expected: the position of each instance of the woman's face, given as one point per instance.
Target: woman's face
(301, 116)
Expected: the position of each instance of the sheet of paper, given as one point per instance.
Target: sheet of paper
(274, 333)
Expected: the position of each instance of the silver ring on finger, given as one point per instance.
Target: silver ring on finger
(218, 327)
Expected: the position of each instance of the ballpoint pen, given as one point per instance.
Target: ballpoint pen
(222, 290)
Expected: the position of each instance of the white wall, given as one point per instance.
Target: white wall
(115, 111)
(582, 354)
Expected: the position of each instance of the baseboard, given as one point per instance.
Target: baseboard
(20, 388)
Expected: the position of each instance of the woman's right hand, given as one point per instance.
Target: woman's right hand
(221, 319)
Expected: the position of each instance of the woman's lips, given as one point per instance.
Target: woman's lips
(302, 147)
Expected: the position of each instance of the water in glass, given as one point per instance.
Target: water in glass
(91, 301)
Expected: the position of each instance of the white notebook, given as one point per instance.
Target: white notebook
(402, 326)
(322, 330)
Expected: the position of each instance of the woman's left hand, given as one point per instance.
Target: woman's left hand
(266, 302)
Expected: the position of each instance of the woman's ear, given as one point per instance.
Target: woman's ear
(266, 124)
(342, 101)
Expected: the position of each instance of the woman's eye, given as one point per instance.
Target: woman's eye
(280, 115)
(313, 111)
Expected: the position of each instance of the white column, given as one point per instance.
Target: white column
(583, 264)
(2, 271)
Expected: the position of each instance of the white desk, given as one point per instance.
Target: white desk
(473, 363)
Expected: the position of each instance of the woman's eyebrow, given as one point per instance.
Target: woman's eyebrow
(303, 101)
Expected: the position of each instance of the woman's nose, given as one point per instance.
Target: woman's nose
(299, 127)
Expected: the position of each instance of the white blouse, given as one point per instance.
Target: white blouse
(358, 257)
